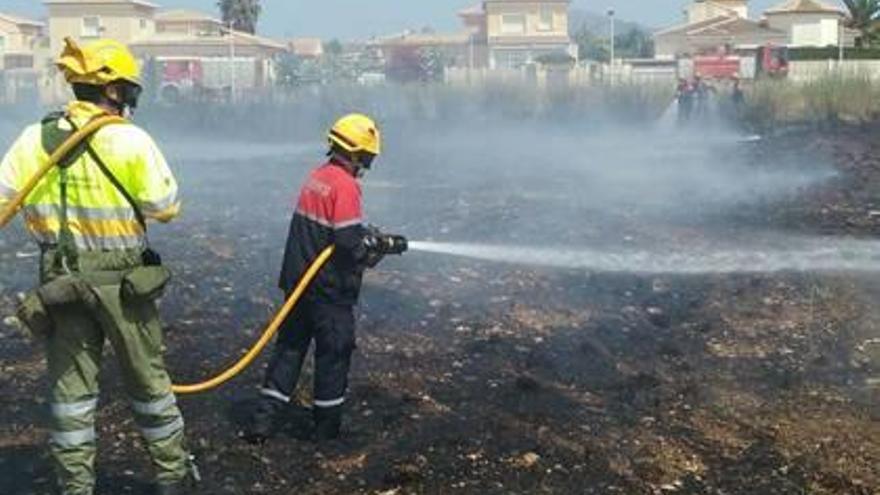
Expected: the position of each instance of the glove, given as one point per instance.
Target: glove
(379, 245)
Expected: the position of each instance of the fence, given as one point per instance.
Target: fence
(582, 75)
(812, 70)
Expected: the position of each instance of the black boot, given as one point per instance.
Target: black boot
(328, 422)
(262, 424)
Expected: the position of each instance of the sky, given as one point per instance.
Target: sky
(358, 19)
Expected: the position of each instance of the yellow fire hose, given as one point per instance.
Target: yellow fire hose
(10, 210)
(268, 334)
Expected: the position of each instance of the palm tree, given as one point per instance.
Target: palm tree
(864, 15)
(242, 15)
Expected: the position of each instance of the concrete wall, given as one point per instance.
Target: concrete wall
(812, 29)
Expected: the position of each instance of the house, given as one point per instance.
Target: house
(22, 54)
(520, 31)
(808, 22)
(307, 48)
(192, 51)
(85, 20)
(408, 56)
(182, 50)
(704, 10)
(189, 33)
(20, 40)
(725, 33)
(723, 25)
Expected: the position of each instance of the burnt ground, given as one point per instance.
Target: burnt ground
(474, 377)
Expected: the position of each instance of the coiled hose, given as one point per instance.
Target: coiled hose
(268, 334)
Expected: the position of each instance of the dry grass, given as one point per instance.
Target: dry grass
(829, 100)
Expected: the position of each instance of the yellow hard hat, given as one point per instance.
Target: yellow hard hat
(99, 63)
(356, 133)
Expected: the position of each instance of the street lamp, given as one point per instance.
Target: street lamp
(611, 19)
(230, 31)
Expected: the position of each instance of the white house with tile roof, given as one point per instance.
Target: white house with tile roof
(807, 22)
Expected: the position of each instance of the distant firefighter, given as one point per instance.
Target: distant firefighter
(684, 94)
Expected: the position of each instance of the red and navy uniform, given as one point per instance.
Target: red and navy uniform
(328, 212)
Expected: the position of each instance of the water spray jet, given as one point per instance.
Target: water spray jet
(825, 255)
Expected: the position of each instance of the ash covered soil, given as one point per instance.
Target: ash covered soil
(477, 377)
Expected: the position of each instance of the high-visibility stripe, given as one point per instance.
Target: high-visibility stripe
(74, 409)
(81, 212)
(350, 223)
(326, 223)
(163, 432)
(68, 439)
(93, 243)
(274, 394)
(156, 407)
(330, 403)
(93, 228)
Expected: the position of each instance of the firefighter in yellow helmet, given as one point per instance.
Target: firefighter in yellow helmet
(328, 212)
(99, 279)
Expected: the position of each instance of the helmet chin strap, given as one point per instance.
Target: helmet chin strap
(359, 170)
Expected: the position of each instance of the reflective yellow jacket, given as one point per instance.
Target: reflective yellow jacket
(99, 216)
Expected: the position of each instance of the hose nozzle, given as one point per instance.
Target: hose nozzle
(394, 244)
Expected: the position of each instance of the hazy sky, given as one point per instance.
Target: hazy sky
(362, 18)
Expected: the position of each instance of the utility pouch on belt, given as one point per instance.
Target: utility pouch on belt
(34, 311)
(67, 289)
(144, 284)
(34, 316)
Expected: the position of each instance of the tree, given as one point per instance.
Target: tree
(634, 43)
(864, 17)
(333, 48)
(241, 14)
(290, 70)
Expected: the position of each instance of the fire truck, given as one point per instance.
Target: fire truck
(767, 61)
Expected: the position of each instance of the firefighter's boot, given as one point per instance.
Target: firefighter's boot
(263, 421)
(328, 422)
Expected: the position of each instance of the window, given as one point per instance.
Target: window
(143, 24)
(2, 44)
(511, 59)
(545, 22)
(513, 24)
(91, 27)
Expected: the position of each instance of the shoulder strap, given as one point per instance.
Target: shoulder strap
(138, 213)
(53, 137)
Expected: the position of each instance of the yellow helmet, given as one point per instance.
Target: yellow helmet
(98, 63)
(356, 133)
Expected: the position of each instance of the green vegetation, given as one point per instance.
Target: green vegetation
(832, 53)
(241, 14)
(632, 43)
(864, 16)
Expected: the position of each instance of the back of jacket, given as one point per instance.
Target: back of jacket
(99, 216)
(328, 212)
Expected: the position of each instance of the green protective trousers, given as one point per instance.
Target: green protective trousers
(75, 350)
